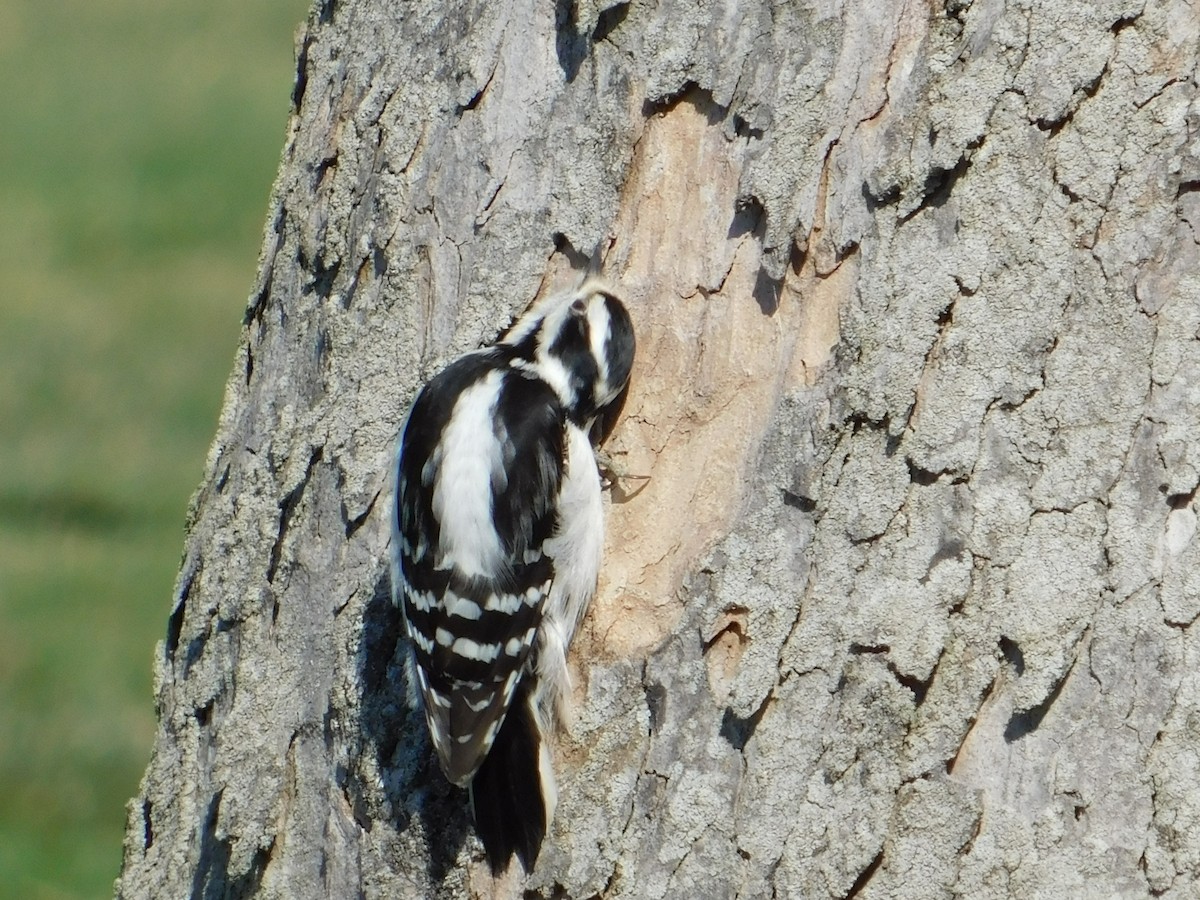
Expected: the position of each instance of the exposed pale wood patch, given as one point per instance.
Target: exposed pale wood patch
(712, 364)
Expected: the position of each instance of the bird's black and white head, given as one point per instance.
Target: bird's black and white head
(581, 344)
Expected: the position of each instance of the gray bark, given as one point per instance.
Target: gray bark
(906, 606)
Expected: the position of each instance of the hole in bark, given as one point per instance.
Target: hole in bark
(326, 166)
(748, 217)
(744, 129)
(918, 687)
(738, 730)
(204, 714)
(939, 184)
(798, 501)
(301, 83)
(323, 277)
(891, 443)
(963, 290)
(885, 196)
(858, 649)
(147, 827)
(475, 100)
(957, 9)
(1024, 723)
(1124, 22)
(656, 703)
(690, 92)
(1079, 808)
(608, 21)
(1187, 187)
(175, 623)
(920, 476)
(1181, 501)
(864, 876)
(1012, 652)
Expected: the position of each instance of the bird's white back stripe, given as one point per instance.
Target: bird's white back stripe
(469, 649)
(510, 603)
(421, 600)
(470, 457)
(462, 607)
(505, 603)
(421, 641)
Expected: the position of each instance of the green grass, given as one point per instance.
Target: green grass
(138, 142)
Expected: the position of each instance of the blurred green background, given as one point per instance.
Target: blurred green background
(138, 142)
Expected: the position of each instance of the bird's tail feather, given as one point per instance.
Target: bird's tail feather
(513, 794)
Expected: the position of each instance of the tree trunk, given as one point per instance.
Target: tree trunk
(905, 607)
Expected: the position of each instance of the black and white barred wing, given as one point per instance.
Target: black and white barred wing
(478, 472)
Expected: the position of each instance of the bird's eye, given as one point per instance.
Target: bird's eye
(579, 307)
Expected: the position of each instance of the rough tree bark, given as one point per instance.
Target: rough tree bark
(906, 607)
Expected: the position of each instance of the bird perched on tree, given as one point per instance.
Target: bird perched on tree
(497, 537)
